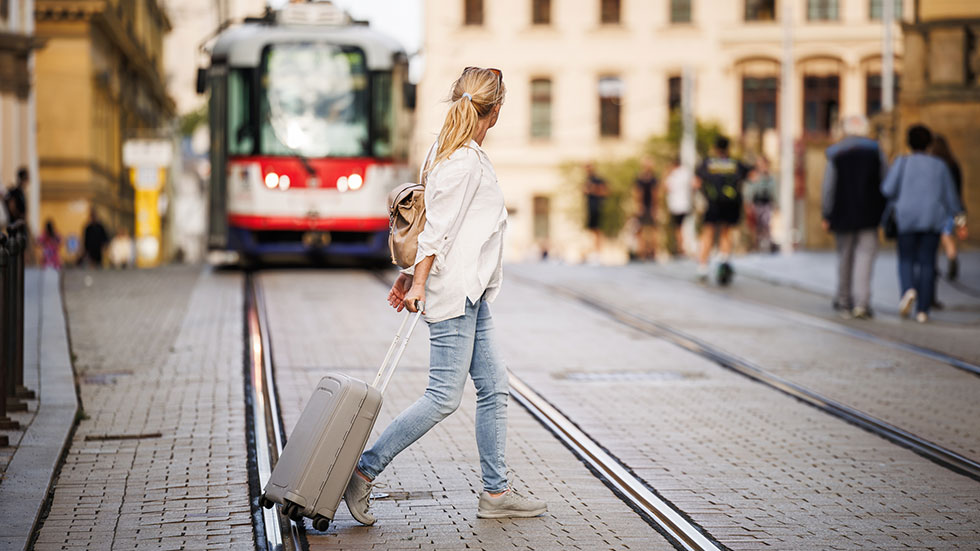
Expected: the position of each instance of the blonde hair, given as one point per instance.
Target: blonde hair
(475, 93)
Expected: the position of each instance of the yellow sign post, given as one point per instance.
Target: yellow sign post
(148, 182)
(147, 160)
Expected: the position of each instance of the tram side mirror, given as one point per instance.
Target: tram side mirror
(202, 80)
(408, 92)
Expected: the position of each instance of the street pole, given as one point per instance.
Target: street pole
(786, 199)
(688, 147)
(34, 168)
(887, 58)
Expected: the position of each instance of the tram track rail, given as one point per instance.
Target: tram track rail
(265, 432)
(922, 446)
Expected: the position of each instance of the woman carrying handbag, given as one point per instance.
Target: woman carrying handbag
(456, 274)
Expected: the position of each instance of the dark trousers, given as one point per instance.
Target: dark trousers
(917, 265)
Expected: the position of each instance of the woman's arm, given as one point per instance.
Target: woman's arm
(417, 291)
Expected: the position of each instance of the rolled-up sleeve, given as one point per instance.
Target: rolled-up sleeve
(449, 189)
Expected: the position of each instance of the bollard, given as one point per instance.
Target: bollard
(10, 322)
(5, 422)
(20, 390)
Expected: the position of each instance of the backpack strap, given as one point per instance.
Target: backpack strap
(425, 162)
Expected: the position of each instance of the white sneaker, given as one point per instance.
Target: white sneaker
(905, 305)
(922, 317)
(510, 504)
(358, 498)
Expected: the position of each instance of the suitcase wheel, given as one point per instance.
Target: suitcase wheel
(292, 511)
(265, 502)
(321, 523)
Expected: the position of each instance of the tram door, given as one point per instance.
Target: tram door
(217, 122)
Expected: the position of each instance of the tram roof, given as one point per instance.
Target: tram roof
(242, 46)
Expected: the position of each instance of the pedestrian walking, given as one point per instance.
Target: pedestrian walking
(852, 208)
(596, 191)
(457, 274)
(922, 199)
(678, 183)
(760, 193)
(96, 240)
(941, 149)
(120, 250)
(720, 179)
(16, 199)
(50, 243)
(646, 194)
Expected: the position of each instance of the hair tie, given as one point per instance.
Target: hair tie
(467, 96)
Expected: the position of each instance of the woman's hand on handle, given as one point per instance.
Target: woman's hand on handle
(414, 297)
(397, 294)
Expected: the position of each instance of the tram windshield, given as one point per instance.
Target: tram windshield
(314, 101)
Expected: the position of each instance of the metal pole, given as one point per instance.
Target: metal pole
(887, 58)
(33, 165)
(786, 183)
(19, 388)
(10, 323)
(688, 147)
(5, 422)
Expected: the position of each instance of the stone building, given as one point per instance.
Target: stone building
(99, 82)
(18, 146)
(941, 86)
(592, 79)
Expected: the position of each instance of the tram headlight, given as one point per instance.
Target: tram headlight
(271, 180)
(342, 184)
(284, 182)
(355, 181)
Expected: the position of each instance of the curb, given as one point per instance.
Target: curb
(31, 470)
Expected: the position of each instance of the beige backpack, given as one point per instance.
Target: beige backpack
(406, 218)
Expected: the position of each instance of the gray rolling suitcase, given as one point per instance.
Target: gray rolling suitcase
(320, 455)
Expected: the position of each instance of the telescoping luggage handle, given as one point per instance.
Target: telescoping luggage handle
(387, 370)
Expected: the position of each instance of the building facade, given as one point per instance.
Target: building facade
(99, 82)
(18, 144)
(593, 79)
(941, 86)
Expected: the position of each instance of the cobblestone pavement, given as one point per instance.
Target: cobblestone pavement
(338, 320)
(158, 461)
(956, 339)
(926, 397)
(756, 468)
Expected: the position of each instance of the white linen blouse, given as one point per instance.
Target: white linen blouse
(465, 219)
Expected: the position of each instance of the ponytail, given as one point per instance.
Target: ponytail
(474, 96)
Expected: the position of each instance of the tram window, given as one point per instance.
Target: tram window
(382, 113)
(314, 101)
(241, 136)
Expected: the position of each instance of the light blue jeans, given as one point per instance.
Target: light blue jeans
(457, 346)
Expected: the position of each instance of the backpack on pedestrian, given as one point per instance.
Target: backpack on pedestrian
(406, 217)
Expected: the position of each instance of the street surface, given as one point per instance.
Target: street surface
(159, 459)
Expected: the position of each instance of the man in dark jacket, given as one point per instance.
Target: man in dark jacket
(852, 208)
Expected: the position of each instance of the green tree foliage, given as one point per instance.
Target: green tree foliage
(620, 174)
(190, 121)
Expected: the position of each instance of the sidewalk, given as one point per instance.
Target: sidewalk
(29, 464)
(158, 460)
(816, 272)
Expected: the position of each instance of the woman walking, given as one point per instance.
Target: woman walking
(457, 273)
(50, 243)
(923, 197)
(940, 148)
